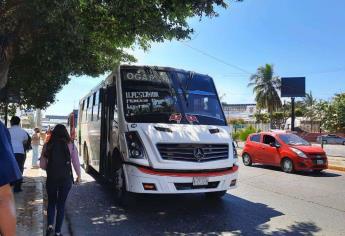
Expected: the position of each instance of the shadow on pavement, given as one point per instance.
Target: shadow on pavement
(91, 210)
(303, 173)
(29, 207)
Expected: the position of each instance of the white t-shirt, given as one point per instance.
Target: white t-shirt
(18, 138)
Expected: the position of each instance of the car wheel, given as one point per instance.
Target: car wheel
(215, 195)
(317, 171)
(122, 196)
(287, 165)
(247, 160)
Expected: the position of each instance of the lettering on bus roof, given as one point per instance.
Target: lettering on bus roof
(142, 75)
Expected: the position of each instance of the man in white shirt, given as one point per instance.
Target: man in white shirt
(19, 137)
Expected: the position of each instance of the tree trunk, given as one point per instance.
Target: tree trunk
(6, 56)
(3, 74)
(271, 120)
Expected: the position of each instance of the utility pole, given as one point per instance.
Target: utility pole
(292, 114)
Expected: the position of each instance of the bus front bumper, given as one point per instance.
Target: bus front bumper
(141, 179)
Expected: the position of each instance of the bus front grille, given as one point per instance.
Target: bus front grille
(193, 152)
(190, 186)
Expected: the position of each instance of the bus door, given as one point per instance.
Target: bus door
(109, 130)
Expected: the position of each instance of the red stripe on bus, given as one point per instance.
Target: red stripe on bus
(189, 174)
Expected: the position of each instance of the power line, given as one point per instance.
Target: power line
(217, 59)
(244, 71)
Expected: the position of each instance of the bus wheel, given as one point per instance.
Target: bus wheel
(215, 195)
(87, 167)
(122, 196)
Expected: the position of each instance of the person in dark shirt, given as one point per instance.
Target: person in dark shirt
(9, 173)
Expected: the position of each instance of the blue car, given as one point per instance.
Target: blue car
(331, 139)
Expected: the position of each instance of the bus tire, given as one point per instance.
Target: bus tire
(215, 195)
(122, 196)
(87, 167)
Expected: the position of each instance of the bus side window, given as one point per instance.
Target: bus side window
(87, 108)
(82, 113)
(99, 109)
(90, 108)
(94, 111)
(116, 117)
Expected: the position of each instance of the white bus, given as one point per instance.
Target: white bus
(157, 130)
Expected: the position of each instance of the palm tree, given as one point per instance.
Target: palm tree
(309, 103)
(265, 89)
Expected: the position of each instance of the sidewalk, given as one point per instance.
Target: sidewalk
(334, 162)
(31, 203)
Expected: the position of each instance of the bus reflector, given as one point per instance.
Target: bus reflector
(149, 186)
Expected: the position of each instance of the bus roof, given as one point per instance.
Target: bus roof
(126, 66)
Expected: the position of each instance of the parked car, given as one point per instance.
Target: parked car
(330, 139)
(287, 150)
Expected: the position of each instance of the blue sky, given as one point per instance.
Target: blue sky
(300, 38)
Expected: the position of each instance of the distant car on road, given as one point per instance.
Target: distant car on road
(330, 139)
(289, 151)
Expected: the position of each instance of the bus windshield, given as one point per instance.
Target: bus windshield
(158, 96)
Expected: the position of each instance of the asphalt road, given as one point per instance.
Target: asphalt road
(266, 202)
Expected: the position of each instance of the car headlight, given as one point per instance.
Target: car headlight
(298, 152)
(135, 147)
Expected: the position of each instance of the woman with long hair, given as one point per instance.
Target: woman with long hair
(58, 155)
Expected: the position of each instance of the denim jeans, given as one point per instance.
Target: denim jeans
(34, 155)
(20, 158)
(57, 195)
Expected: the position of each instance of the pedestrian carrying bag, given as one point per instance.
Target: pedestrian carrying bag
(59, 167)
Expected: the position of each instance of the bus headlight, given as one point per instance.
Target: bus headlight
(135, 147)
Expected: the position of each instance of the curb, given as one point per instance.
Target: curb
(338, 168)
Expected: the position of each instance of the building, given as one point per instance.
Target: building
(52, 120)
(240, 111)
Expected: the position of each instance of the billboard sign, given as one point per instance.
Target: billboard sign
(293, 87)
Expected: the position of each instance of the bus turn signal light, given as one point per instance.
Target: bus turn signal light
(149, 186)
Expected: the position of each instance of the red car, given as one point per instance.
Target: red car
(286, 150)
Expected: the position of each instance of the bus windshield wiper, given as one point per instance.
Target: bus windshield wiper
(186, 87)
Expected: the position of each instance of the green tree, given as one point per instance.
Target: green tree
(334, 114)
(44, 42)
(243, 134)
(278, 119)
(309, 103)
(261, 117)
(322, 108)
(265, 86)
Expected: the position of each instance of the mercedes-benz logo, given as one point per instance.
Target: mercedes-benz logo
(198, 154)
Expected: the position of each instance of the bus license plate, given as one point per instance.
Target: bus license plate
(200, 181)
(319, 162)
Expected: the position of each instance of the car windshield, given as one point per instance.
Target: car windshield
(292, 139)
(158, 96)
